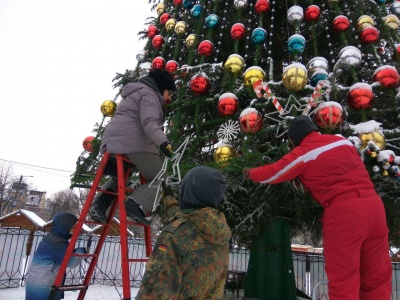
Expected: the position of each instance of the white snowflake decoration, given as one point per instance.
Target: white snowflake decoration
(228, 131)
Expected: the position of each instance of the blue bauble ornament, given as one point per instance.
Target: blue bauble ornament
(196, 10)
(212, 21)
(258, 36)
(381, 1)
(296, 44)
(317, 76)
(188, 4)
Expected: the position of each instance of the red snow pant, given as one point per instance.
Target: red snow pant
(356, 247)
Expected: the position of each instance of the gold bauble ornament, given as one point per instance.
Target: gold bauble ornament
(392, 21)
(234, 64)
(375, 136)
(364, 22)
(180, 27)
(294, 77)
(252, 75)
(170, 25)
(108, 108)
(223, 154)
(191, 41)
(160, 8)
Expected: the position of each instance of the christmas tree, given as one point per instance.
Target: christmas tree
(245, 68)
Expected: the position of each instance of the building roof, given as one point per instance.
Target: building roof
(22, 219)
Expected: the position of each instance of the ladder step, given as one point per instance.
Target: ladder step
(138, 260)
(84, 255)
(76, 287)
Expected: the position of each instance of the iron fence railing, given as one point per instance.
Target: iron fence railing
(15, 259)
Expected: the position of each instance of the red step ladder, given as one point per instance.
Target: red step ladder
(121, 167)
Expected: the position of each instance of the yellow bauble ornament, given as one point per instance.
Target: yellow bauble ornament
(374, 136)
(234, 64)
(170, 25)
(160, 8)
(190, 41)
(223, 153)
(364, 22)
(392, 21)
(180, 27)
(252, 75)
(108, 108)
(294, 77)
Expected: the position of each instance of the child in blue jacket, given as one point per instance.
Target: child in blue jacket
(48, 258)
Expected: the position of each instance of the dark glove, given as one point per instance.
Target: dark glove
(166, 148)
(166, 190)
(246, 173)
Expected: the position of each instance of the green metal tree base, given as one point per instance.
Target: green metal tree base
(270, 274)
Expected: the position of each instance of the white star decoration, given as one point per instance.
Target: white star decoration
(228, 131)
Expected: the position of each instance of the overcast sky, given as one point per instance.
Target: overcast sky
(57, 62)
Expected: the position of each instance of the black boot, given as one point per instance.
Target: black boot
(100, 204)
(135, 213)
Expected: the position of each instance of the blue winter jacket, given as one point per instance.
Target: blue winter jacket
(48, 258)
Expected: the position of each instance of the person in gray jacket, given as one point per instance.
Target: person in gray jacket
(136, 130)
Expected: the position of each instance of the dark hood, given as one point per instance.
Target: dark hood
(202, 187)
(150, 82)
(63, 223)
(299, 128)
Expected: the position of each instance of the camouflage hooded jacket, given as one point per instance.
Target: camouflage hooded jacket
(190, 259)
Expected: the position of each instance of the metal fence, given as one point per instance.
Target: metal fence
(14, 263)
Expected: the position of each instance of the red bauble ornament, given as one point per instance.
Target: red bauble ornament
(205, 48)
(200, 84)
(312, 13)
(87, 143)
(360, 96)
(164, 18)
(152, 31)
(157, 41)
(178, 2)
(369, 35)
(250, 120)
(238, 31)
(158, 63)
(228, 104)
(387, 76)
(329, 115)
(261, 6)
(340, 23)
(171, 66)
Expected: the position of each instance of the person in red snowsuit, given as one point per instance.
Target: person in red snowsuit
(355, 233)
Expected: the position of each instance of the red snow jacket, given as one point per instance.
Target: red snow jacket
(328, 166)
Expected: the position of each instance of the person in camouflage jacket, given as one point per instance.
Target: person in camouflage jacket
(191, 256)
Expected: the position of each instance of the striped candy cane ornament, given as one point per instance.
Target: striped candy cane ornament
(262, 90)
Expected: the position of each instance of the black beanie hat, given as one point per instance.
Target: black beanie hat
(299, 128)
(202, 187)
(163, 79)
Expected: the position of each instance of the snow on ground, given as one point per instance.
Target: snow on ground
(95, 292)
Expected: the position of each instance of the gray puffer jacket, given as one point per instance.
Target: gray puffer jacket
(137, 123)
